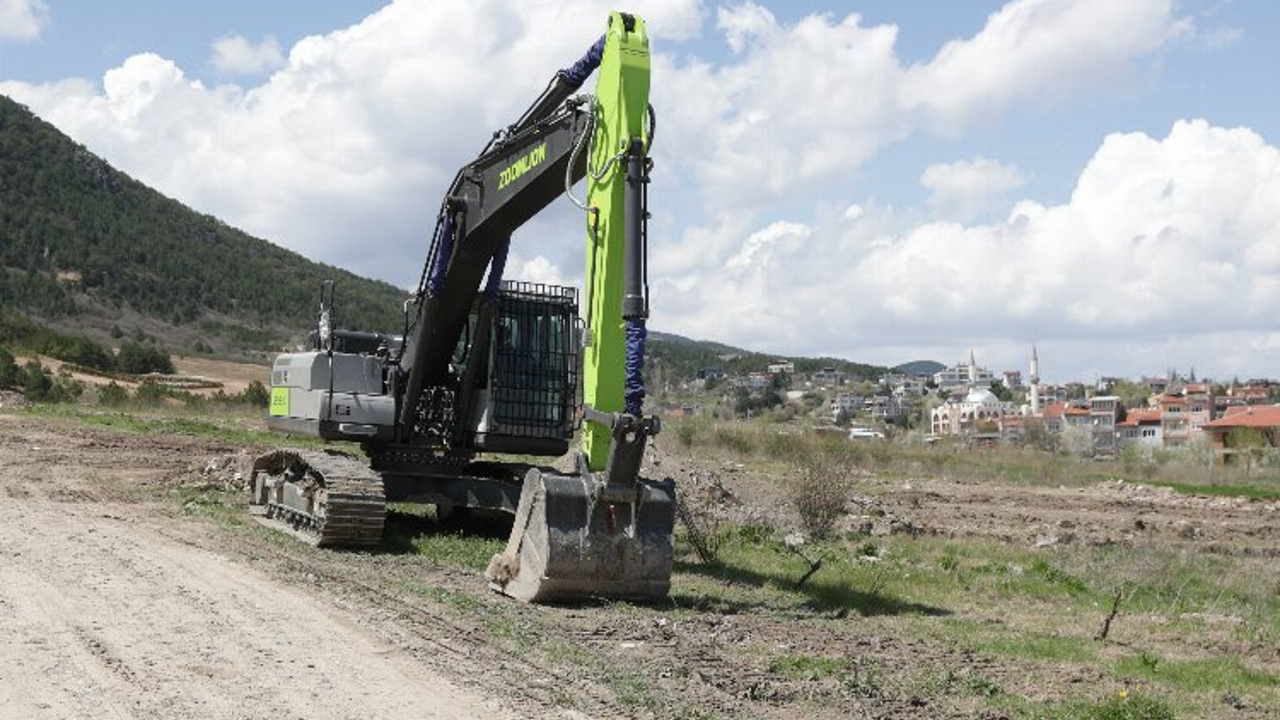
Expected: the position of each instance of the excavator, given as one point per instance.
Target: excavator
(493, 377)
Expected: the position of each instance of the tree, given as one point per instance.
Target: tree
(8, 369)
(1131, 394)
(256, 394)
(1002, 393)
(1250, 442)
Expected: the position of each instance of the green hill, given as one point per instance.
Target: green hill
(921, 367)
(86, 248)
(681, 357)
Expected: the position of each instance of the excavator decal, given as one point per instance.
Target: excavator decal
(522, 166)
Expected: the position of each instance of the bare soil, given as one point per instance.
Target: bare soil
(113, 607)
(122, 595)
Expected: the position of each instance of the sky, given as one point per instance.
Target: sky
(881, 181)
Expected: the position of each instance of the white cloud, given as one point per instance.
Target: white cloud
(805, 104)
(236, 55)
(23, 20)
(1038, 47)
(964, 189)
(1169, 245)
(743, 22)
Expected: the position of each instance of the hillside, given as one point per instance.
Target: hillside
(85, 247)
(921, 367)
(681, 357)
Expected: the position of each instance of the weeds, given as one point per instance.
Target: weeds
(820, 488)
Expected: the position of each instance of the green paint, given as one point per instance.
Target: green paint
(622, 90)
(523, 165)
(279, 402)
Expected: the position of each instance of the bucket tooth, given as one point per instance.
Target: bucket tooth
(572, 540)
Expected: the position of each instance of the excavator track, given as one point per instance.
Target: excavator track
(325, 499)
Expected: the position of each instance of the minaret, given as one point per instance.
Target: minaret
(1035, 382)
(973, 370)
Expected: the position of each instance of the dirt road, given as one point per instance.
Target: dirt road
(105, 612)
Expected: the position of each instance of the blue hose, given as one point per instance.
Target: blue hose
(581, 70)
(634, 387)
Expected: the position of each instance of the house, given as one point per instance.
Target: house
(827, 376)
(1105, 411)
(1244, 427)
(964, 374)
(886, 407)
(1199, 397)
(752, 382)
(845, 405)
(779, 367)
(1173, 419)
(1141, 427)
(1054, 416)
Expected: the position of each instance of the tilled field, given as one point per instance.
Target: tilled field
(129, 588)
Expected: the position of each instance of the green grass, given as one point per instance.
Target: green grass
(1217, 674)
(809, 667)
(1124, 705)
(1255, 492)
(232, 425)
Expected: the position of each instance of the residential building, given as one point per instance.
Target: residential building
(964, 374)
(1142, 427)
(1174, 424)
(1226, 438)
(779, 367)
(886, 407)
(1105, 411)
(1199, 397)
(846, 405)
(828, 377)
(753, 382)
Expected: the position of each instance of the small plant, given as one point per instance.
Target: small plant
(113, 395)
(1130, 706)
(819, 490)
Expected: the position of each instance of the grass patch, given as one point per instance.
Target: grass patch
(809, 667)
(1244, 491)
(1217, 674)
(236, 427)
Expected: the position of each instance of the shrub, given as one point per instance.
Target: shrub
(819, 490)
(149, 393)
(256, 394)
(112, 395)
(138, 359)
(8, 369)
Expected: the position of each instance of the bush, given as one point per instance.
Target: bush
(39, 386)
(819, 490)
(137, 359)
(256, 394)
(149, 393)
(8, 369)
(113, 395)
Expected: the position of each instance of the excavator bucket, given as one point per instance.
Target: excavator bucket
(576, 538)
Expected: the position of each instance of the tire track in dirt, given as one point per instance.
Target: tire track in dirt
(104, 618)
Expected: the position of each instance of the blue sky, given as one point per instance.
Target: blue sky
(882, 181)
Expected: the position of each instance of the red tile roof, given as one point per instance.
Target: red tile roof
(1248, 416)
(1137, 417)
